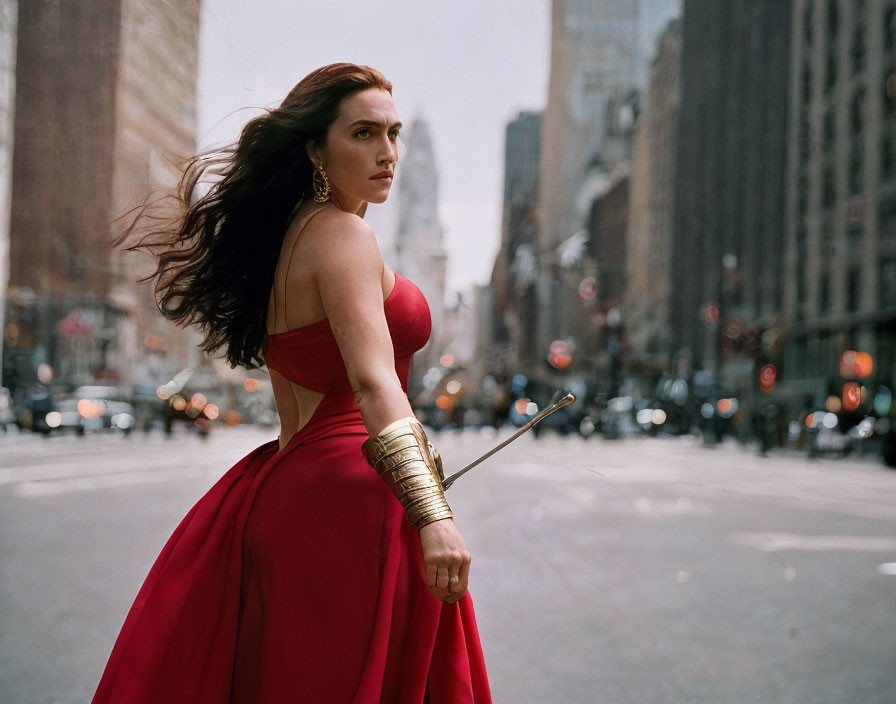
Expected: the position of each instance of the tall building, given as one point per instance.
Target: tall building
(649, 238)
(8, 18)
(840, 253)
(105, 101)
(653, 17)
(598, 50)
(729, 230)
(593, 69)
(418, 242)
(516, 268)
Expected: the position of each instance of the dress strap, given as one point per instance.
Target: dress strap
(289, 264)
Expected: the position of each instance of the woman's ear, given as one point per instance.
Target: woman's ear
(312, 151)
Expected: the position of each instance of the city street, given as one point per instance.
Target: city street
(642, 571)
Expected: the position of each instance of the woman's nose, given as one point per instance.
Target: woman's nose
(389, 152)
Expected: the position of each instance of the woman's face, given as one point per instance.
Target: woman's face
(361, 144)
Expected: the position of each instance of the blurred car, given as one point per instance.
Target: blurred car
(83, 414)
(7, 416)
(119, 415)
(618, 418)
(100, 393)
(825, 435)
(67, 417)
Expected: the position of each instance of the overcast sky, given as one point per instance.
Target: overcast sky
(467, 67)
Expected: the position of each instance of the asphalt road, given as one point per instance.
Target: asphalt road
(613, 572)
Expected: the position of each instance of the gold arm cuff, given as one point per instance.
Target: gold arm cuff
(412, 468)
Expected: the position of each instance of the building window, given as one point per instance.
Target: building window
(806, 84)
(857, 43)
(852, 289)
(888, 153)
(828, 131)
(886, 218)
(802, 195)
(795, 351)
(857, 151)
(889, 28)
(827, 240)
(800, 291)
(829, 190)
(856, 167)
(801, 247)
(854, 232)
(887, 283)
(857, 111)
(889, 93)
(824, 293)
(804, 139)
(808, 21)
(833, 33)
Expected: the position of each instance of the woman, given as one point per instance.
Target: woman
(325, 566)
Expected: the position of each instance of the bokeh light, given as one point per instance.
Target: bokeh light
(521, 405)
(852, 396)
(44, 373)
(856, 365)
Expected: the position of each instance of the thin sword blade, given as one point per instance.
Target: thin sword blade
(567, 399)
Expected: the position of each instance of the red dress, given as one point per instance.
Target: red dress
(297, 577)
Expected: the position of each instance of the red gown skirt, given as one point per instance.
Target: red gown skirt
(296, 578)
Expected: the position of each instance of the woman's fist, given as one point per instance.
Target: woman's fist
(446, 560)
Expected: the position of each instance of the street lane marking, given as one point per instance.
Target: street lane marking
(105, 481)
(774, 542)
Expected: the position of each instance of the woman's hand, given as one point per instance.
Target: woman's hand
(445, 556)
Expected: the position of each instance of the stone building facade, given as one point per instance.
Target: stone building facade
(651, 209)
(515, 272)
(594, 60)
(840, 251)
(728, 233)
(105, 100)
(8, 21)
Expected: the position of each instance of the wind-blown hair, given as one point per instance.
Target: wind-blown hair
(217, 254)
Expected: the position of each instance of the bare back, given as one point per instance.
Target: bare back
(295, 302)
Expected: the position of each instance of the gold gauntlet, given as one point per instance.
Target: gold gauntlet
(405, 458)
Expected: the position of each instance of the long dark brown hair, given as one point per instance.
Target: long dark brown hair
(217, 254)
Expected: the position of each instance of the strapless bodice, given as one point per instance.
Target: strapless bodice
(309, 356)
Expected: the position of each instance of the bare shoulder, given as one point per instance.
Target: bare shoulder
(341, 244)
(333, 232)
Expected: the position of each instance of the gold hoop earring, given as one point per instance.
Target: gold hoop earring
(321, 185)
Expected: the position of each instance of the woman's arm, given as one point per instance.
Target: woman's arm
(349, 269)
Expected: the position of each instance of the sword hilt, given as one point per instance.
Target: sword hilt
(567, 399)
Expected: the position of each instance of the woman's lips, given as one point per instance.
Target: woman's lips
(384, 177)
